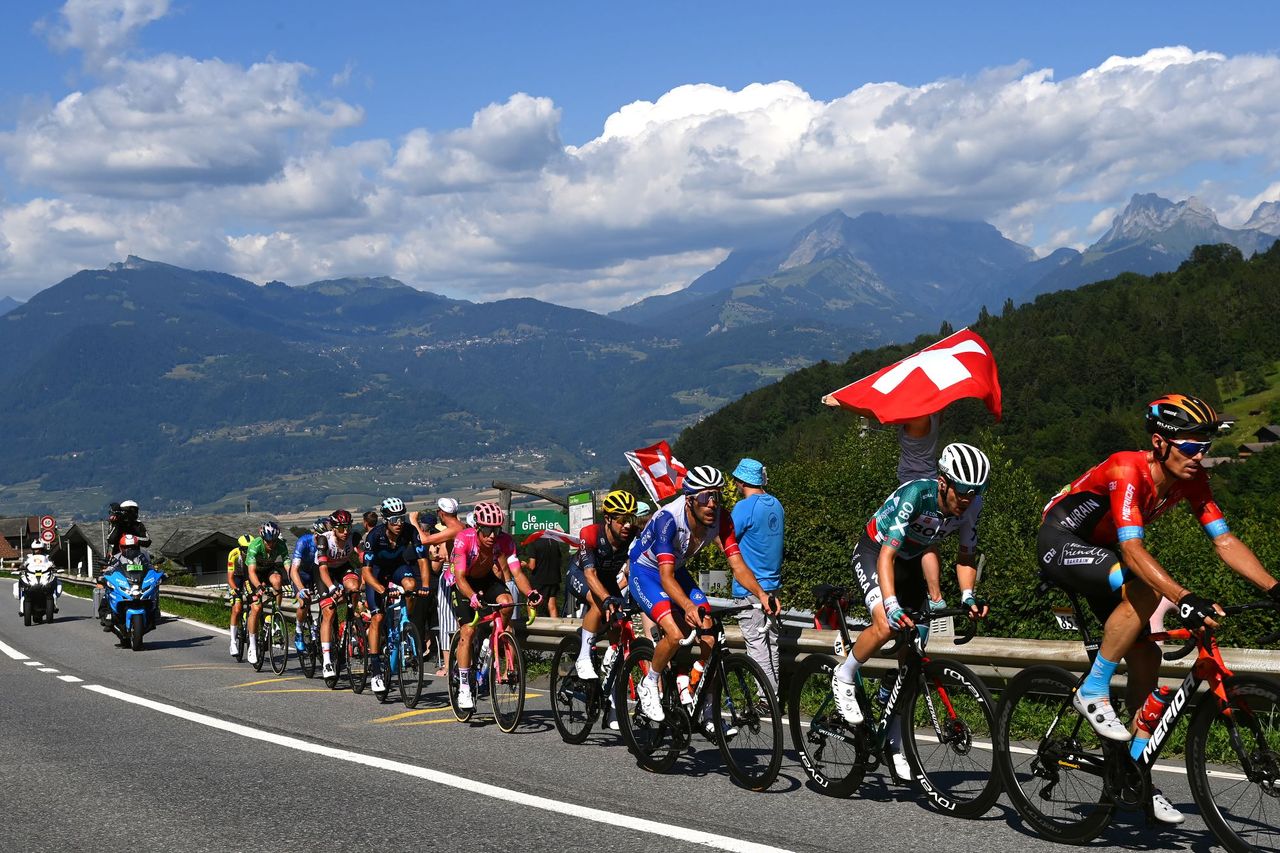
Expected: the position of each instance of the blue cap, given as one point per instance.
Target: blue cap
(751, 472)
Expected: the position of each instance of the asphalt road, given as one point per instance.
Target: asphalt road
(177, 747)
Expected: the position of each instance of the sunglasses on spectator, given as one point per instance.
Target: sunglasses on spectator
(1191, 448)
(708, 497)
(488, 530)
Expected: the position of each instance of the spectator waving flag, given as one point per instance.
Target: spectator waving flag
(958, 366)
(659, 471)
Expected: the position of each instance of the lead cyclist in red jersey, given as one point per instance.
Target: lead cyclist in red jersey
(1091, 541)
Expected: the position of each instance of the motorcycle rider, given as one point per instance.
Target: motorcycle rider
(124, 519)
(128, 552)
(38, 550)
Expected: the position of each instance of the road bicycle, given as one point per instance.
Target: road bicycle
(1067, 782)
(401, 649)
(733, 693)
(497, 667)
(242, 623)
(353, 636)
(271, 633)
(575, 702)
(310, 655)
(947, 716)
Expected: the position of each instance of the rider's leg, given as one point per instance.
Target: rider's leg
(870, 641)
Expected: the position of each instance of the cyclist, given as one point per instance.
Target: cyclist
(393, 553)
(593, 575)
(264, 562)
(304, 574)
(334, 551)
(237, 574)
(896, 558)
(661, 584)
(478, 553)
(1091, 541)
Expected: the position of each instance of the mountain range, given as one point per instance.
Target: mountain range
(185, 387)
(7, 304)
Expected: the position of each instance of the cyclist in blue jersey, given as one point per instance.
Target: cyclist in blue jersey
(304, 573)
(393, 553)
(661, 584)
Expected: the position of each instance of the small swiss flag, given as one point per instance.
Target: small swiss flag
(957, 366)
(659, 471)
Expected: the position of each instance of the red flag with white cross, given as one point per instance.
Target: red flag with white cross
(659, 471)
(960, 365)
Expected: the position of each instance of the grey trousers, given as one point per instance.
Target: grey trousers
(761, 638)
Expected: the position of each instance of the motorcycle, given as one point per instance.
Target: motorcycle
(37, 590)
(133, 603)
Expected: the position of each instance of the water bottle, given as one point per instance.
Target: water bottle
(682, 683)
(886, 687)
(483, 669)
(610, 655)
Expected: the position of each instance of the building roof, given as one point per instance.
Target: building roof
(1215, 461)
(178, 536)
(1256, 446)
(1270, 432)
(15, 526)
(7, 551)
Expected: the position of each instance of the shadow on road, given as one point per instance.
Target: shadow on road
(185, 643)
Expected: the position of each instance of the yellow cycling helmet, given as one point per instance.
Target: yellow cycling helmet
(245, 540)
(619, 502)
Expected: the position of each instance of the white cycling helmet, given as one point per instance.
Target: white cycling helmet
(447, 505)
(392, 506)
(965, 465)
(702, 477)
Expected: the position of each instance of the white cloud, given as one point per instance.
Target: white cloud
(238, 164)
(101, 29)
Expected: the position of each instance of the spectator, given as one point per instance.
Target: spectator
(546, 568)
(918, 448)
(757, 524)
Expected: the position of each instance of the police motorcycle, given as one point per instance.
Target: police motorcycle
(38, 587)
(132, 593)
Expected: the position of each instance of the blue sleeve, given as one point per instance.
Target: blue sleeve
(300, 549)
(664, 538)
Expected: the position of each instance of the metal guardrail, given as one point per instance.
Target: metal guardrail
(993, 658)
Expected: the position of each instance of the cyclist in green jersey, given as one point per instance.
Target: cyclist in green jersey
(899, 550)
(264, 561)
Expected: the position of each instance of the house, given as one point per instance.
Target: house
(1251, 447)
(1214, 461)
(1268, 434)
(197, 543)
(19, 531)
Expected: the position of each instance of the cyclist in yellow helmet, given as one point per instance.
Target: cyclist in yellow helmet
(237, 574)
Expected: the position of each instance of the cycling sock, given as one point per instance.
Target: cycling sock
(326, 649)
(253, 643)
(464, 672)
(652, 677)
(848, 671)
(584, 649)
(1098, 684)
(375, 664)
(1138, 744)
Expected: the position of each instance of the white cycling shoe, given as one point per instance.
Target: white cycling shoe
(650, 701)
(252, 655)
(465, 702)
(1163, 810)
(235, 647)
(377, 685)
(1102, 717)
(847, 701)
(329, 671)
(585, 670)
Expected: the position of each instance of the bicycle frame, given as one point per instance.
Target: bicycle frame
(626, 636)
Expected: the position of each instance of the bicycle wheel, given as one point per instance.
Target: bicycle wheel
(506, 681)
(744, 700)
(279, 644)
(384, 666)
(460, 714)
(242, 640)
(574, 702)
(655, 745)
(948, 743)
(310, 655)
(355, 645)
(263, 640)
(834, 754)
(1049, 757)
(1233, 763)
(409, 669)
(337, 657)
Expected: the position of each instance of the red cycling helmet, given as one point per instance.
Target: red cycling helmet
(489, 514)
(340, 516)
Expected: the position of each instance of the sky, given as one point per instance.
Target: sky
(592, 154)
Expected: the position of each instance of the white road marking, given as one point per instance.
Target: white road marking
(46, 669)
(665, 830)
(11, 652)
(32, 663)
(70, 679)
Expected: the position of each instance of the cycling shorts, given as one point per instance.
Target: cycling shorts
(1076, 564)
(908, 575)
(396, 576)
(577, 583)
(646, 589)
(489, 587)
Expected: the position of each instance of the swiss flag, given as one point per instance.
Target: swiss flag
(552, 533)
(957, 366)
(659, 471)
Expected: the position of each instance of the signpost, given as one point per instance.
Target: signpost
(582, 511)
(526, 521)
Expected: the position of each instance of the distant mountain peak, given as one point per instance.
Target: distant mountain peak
(822, 238)
(1266, 218)
(133, 262)
(1149, 215)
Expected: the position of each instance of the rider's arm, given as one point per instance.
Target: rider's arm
(884, 576)
(518, 575)
(931, 567)
(1243, 561)
(295, 567)
(1137, 559)
(251, 565)
(452, 528)
(231, 569)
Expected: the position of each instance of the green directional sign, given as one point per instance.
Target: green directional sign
(526, 521)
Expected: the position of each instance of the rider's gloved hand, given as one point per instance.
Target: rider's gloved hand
(303, 595)
(535, 597)
(1194, 611)
(977, 604)
(475, 601)
(613, 605)
(898, 618)
(940, 604)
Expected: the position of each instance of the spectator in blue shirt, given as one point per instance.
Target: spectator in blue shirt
(757, 524)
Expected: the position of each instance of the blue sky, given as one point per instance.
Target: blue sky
(344, 137)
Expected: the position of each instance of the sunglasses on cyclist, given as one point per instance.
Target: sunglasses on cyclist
(708, 497)
(342, 527)
(1191, 448)
(488, 530)
(625, 519)
(964, 490)
(396, 519)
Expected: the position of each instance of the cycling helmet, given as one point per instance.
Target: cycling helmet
(447, 505)
(270, 531)
(965, 465)
(489, 514)
(245, 540)
(129, 506)
(471, 519)
(1181, 414)
(619, 502)
(643, 509)
(320, 525)
(130, 546)
(340, 516)
(392, 506)
(701, 478)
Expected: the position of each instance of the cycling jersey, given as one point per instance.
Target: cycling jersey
(235, 563)
(335, 554)
(466, 554)
(1113, 501)
(304, 554)
(269, 558)
(384, 556)
(597, 553)
(668, 539)
(912, 522)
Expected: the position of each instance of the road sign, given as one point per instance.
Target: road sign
(526, 521)
(582, 511)
(47, 522)
(47, 536)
